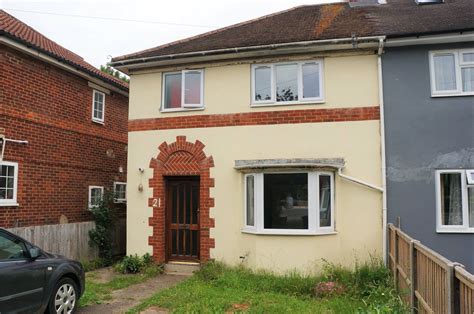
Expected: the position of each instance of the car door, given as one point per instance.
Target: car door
(21, 278)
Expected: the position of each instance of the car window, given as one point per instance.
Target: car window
(11, 248)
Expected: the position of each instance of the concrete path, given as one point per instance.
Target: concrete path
(125, 299)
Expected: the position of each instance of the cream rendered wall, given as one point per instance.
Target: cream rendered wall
(358, 209)
(350, 81)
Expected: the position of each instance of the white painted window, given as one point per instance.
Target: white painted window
(8, 183)
(292, 203)
(120, 192)
(183, 90)
(455, 201)
(96, 193)
(287, 83)
(452, 72)
(98, 106)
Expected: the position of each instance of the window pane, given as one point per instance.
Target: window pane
(286, 201)
(287, 82)
(10, 171)
(263, 83)
(310, 80)
(192, 88)
(173, 91)
(3, 194)
(468, 57)
(445, 74)
(11, 248)
(250, 201)
(451, 199)
(470, 192)
(3, 171)
(325, 201)
(467, 79)
(9, 194)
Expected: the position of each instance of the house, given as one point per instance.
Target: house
(428, 88)
(246, 143)
(63, 131)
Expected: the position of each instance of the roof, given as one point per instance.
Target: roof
(397, 18)
(16, 30)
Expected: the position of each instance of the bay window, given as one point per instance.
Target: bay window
(289, 203)
(452, 72)
(287, 83)
(455, 200)
(182, 90)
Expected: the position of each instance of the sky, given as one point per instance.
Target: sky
(96, 29)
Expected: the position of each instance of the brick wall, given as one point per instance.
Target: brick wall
(67, 152)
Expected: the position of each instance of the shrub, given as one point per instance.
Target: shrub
(134, 264)
(147, 259)
(104, 216)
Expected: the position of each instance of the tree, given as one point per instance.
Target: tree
(115, 73)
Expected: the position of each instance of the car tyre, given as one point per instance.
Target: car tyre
(64, 297)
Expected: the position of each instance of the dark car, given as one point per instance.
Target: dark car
(34, 281)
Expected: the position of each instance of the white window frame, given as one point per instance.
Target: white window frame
(120, 200)
(464, 228)
(12, 202)
(184, 106)
(458, 65)
(91, 187)
(301, 100)
(98, 120)
(313, 206)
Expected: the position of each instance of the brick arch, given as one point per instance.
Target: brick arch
(180, 158)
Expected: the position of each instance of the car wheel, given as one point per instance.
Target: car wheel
(64, 298)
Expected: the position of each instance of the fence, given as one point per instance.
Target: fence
(427, 281)
(71, 240)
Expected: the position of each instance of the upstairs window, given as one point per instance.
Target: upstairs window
(287, 83)
(120, 192)
(183, 90)
(98, 106)
(289, 203)
(452, 72)
(8, 183)
(455, 200)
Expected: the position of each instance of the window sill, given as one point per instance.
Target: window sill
(9, 204)
(181, 109)
(120, 201)
(98, 122)
(283, 232)
(452, 95)
(288, 103)
(455, 231)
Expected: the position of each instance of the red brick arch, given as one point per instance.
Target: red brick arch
(180, 158)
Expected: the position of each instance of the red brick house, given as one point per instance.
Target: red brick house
(63, 130)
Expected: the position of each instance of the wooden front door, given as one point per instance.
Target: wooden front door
(182, 217)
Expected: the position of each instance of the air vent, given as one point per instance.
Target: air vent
(423, 2)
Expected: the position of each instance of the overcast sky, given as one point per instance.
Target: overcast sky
(95, 39)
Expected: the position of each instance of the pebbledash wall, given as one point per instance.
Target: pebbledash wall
(445, 128)
(66, 151)
(228, 129)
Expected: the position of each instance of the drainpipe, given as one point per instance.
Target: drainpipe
(382, 151)
(339, 172)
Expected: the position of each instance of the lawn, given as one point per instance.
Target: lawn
(218, 288)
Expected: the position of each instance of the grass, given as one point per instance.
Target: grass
(218, 288)
(97, 293)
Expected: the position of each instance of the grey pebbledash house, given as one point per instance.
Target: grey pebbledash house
(428, 88)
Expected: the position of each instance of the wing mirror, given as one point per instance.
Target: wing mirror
(34, 253)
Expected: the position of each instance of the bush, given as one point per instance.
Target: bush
(104, 216)
(134, 264)
(93, 264)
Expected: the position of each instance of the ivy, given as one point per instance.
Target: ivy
(105, 218)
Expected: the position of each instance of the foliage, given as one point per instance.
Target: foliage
(93, 264)
(99, 292)
(134, 264)
(115, 73)
(328, 289)
(101, 236)
(219, 288)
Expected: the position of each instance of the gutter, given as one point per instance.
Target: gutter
(352, 42)
(382, 151)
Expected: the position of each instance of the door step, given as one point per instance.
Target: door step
(181, 268)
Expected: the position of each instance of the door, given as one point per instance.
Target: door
(182, 210)
(22, 278)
